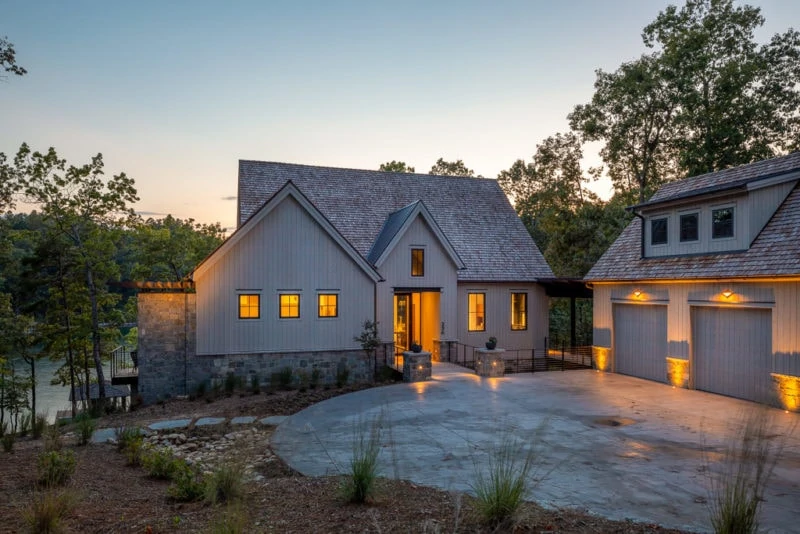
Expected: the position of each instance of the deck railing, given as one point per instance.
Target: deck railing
(124, 363)
(525, 360)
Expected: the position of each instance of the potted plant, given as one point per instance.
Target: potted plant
(492, 343)
(416, 347)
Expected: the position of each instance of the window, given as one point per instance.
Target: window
(722, 223)
(290, 305)
(249, 306)
(519, 311)
(417, 262)
(477, 313)
(658, 231)
(689, 227)
(328, 304)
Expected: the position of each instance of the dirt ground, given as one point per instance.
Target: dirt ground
(113, 497)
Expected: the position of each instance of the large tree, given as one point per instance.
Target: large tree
(395, 166)
(85, 211)
(451, 168)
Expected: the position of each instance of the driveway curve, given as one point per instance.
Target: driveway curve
(610, 444)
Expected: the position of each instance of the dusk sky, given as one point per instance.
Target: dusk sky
(175, 93)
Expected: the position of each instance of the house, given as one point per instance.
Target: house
(318, 250)
(702, 289)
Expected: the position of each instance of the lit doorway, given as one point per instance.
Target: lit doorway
(417, 319)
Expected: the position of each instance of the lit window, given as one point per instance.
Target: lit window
(689, 227)
(519, 311)
(290, 305)
(477, 312)
(722, 223)
(249, 306)
(417, 262)
(328, 304)
(658, 231)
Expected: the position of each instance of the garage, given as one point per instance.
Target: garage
(640, 340)
(732, 352)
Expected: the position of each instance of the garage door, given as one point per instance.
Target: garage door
(732, 352)
(640, 341)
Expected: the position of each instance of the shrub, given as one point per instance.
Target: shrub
(316, 374)
(342, 375)
(226, 483)
(230, 383)
(501, 482)
(85, 426)
(134, 452)
(55, 467)
(53, 441)
(255, 384)
(25, 423)
(359, 484)
(737, 490)
(200, 390)
(284, 378)
(125, 435)
(160, 464)
(187, 484)
(302, 380)
(47, 509)
(8, 440)
(39, 425)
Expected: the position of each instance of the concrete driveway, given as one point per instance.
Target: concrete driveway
(610, 444)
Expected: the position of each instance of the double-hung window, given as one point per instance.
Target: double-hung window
(477, 312)
(519, 311)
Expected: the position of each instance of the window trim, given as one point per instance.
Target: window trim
(335, 306)
(696, 215)
(249, 306)
(732, 208)
(470, 312)
(653, 220)
(524, 295)
(280, 305)
(421, 251)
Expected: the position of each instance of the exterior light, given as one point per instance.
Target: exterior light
(727, 293)
(637, 293)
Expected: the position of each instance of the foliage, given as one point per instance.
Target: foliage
(233, 520)
(231, 381)
(359, 484)
(55, 467)
(226, 483)
(501, 483)
(451, 168)
(8, 439)
(8, 58)
(53, 441)
(395, 166)
(125, 435)
(187, 483)
(85, 426)
(284, 377)
(48, 509)
(737, 489)
(39, 425)
(255, 384)
(316, 374)
(160, 464)
(342, 375)
(368, 339)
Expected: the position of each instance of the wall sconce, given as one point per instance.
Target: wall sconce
(727, 293)
(637, 293)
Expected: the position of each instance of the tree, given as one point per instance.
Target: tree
(167, 249)
(451, 168)
(8, 59)
(86, 212)
(733, 108)
(395, 166)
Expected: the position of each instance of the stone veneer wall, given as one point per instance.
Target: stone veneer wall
(169, 366)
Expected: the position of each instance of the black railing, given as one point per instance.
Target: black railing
(124, 364)
(525, 360)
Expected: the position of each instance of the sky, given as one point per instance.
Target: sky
(175, 93)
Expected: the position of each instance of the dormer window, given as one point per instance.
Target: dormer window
(722, 223)
(658, 231)
(689, 227)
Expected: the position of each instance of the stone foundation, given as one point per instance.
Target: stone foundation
(416, 366)
(489, 363)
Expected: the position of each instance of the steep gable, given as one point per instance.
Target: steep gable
(473, 213)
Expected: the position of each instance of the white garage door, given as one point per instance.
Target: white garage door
(640, 340)
(732, 352)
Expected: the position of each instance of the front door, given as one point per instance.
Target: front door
(402, 322)
(416, 320)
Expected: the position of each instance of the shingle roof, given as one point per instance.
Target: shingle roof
(473, 213)
(774, 252)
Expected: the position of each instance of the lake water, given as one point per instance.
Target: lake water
(49, 398)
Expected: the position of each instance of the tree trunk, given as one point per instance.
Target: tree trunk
(98, 363)
(70, 355)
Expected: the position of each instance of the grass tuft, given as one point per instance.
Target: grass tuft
(85, 426)
(359, 485)
(226, 483)
(55, 467)
(47, 510)
(232, 520)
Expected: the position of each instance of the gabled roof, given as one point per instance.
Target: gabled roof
(473, 213)
(774, 253)
(396, 225)
(288, 189)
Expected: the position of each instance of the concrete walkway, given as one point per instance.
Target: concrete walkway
(613, 445)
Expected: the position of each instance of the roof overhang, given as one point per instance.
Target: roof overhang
(566, 287)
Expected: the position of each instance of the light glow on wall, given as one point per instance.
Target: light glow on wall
(601, 358)
(788, 390)
(678, 372)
